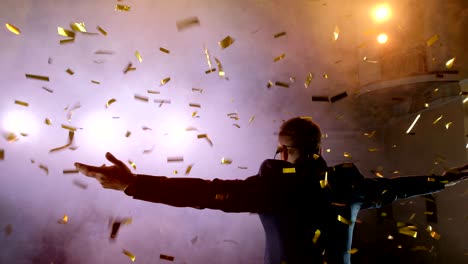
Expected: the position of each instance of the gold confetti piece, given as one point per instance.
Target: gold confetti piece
(69, 127)
(383, 214)
(166, 257)
(103, 32)
(428, 213)
(164, 50)
(325, 76)
(66, 41)
(370, 135)
(48, 89)
(37, 77)
(435, 235)
(390, 237)
(132, 164)
(128, 133)
(2, 154)
(18, 102)
(12, 29)
(141, 98)
(289, 170)
(432, 40)
(324, 182)
(194, 105)
(316, 236)
(280, 34)
(69, 71)
(175, 159)
(221, 196)
(343, 220)
(220, 67)
(336, 33)
(200, 90)
(148, 150)
(129, 68)
(280, 57)
(137, 54)
(347, 155)
(426, 105)
(379, 174)
(71, 171)
(129, 254)
(186, 23)
(242, 167)
(44, 168)
(153, 92)
(122, 8)
(165, 80)
(353, 250)
(251, 119)
(64, 220)
(189, 168)
(308, 80)
(448, 125)
(210, 70)
(320, 98)
(226, 42)
(11, 137)
(449, 63)
(414, 123)
(282, 84)
(269, 84)
(79, 184)
(338, 97)
(236, 125)
(372, 149)
(409, 231)
(113, 100)
(412, 216)
(65, 32)
(78, 26)
(226, 161)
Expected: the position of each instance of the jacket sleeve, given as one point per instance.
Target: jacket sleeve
(380, 192)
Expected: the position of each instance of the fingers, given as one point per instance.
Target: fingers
(114, 160)
(90, 171)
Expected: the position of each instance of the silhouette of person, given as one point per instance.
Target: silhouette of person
(307, 209)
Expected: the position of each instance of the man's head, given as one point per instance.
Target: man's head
(299, 138)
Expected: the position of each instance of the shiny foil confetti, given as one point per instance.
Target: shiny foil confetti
(280, 57)
(432, 40)
(122, 8)
(147, 151)
(343, 220)
(129, 255)
(78, 26)
(414, 123)
(372, 149)
(226, 42)
(132, 164)
(338, 97)
(282, 84)
(165, 80)
(69, 71)
(449, 63)
(279, 34)
(164, 50)
(447, 126)
(166, 257)
(129, 68)
(138, 56)
(64, 220)
(309, 78)
(226, 161)
(103, 32)
(175, 159)
(187, 23)
(189, 169)
(347, 155)
(71, 135)
(2, 154)
(210, 70)
(13, 29)
(336, 33)
(236, 125)
(18, 102)
(65, 32)
(141, 98)
(48, 89)
(10, 137)
(325, 76)
(434, 235)
(153, 92)
(71, 171)
(242, 167)
(111, 101)
(220, 67)
(128, 133)
(200, 90)
(66, 41)
(269, 84)
(194, 105)
(37, 77)
(115, 229)
(320, 98)
(251, 119)
(316, 236)
(353, 250)
(409, 231)
(289, 170)
(69, 127)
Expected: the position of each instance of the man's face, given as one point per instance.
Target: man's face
(288, 152)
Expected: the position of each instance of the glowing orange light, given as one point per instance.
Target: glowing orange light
(382, 38)
(381, 13)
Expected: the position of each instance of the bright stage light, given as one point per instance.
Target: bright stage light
(19, 122)
(382, 38)
(381, 13)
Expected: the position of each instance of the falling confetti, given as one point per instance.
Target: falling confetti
(69, 71)
(343, 220)
(164, 50)
(200, 90)
(226, 161)
(336, 33)
(113, 100)
(18, 102)
(78, 26)
(372, 149)
(409, 231)
(122, 8)
(132, 164)
(37, 77)
(210, 70)
(280, 57)
(449, 63)
(282, 84)
(338, 97)
(64, 220)
(70, 171)
(129, 68)
(236, 125)
(414, 123)
(308, 80)
(69, 127)
(347, 155)
(320, 98)
(175, 159)
(189, 168)
(48, 89)
(316, 236)
(251, 119)
(138, 56)
(71, 135)
(103, 32)
(13, 29)
(324, 182)
(226, 42)
(447, 126)
(325, 76)
(65, 32)
(194, 105)
(289, 170)
(165, 80)
(187, 23)
(432, 40)
(148, 150)
(10, 137)
(269, 84)
(2, 154)
(66, 41)
(129, 254)
(128, 133)
(221, 73)
(141, 98)
(166, 257)
(279, 34)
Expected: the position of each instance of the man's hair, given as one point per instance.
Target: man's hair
(304, 133)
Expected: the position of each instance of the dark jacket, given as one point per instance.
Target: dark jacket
(308, 210)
